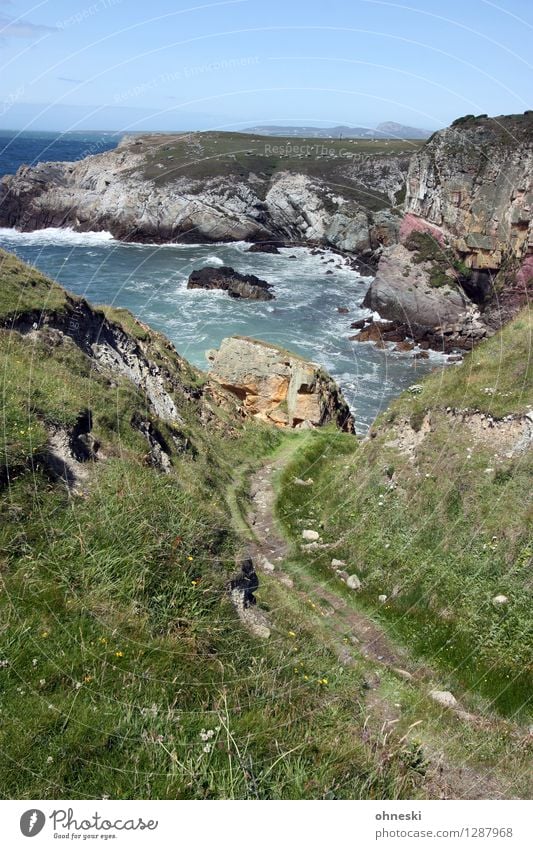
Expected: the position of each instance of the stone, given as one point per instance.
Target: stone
(500, 600)
(404, 346)
(400, 293)
(312, 536)
(382, 598)
(265, 564)
(353, 582)
(300, 482)
(286, 581)
(403, 673)
(237, 285)
(337, 564)
(275, 386)
(263, 247)
(443, 697)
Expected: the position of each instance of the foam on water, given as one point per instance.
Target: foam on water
(55, 236)
(151, 281)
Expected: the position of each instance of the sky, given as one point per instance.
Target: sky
(186, 64)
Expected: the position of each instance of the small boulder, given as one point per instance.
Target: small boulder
(500, 600)
(342, 574)
(353, 582)
(337, 564)
(312, 536)
(444, 698)
(265, 564)
(286, 581)
(382, 598)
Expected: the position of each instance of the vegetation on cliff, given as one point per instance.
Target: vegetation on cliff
(124, 669)
(434, 513)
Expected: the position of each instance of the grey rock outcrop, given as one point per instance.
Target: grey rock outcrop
(137, 195)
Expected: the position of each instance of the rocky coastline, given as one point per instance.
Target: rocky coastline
(452, 264)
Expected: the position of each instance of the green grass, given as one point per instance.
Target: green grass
(24, 289)
(496, 378)
(442, 536)
(124, 671)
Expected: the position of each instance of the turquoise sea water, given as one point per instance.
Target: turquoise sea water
(151, 282)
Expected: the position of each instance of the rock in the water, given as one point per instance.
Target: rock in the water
(402, 293)
(237, 285)
(353, 582)
(276, 386)
(264, 248)
(444, 698)
(500, 600)
(312, 536)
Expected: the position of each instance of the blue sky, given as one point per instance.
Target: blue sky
(126, 65)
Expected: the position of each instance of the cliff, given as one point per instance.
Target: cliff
(218, 187)
(464, 264)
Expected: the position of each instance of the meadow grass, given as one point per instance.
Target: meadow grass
(440, 537)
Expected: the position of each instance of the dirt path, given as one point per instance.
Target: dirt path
(367, 641)
(269, 545)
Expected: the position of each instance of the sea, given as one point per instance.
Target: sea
(311, 314)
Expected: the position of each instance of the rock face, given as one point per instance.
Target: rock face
(235, 284)
(442, 316)
(465, 262)
(137, 194)
(275, 386)
(473, 180)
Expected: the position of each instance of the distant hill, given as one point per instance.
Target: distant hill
(387, 129)
(390, 129)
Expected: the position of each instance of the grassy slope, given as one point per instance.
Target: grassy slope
(441, 536)
(118, 645)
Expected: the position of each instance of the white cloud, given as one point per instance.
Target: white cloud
(19, 28)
